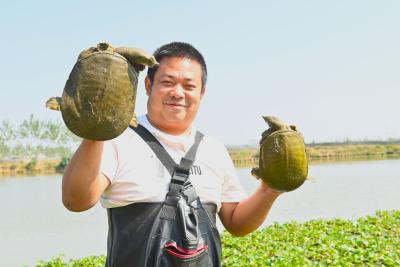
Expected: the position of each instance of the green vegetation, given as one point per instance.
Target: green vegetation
(35, 139)
(63, 163)
(91, 261)
(32, 167)
(348, 151)
(369, 241)
(243, 157)
(35, 147)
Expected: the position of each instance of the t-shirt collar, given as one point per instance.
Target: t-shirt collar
(183, 141)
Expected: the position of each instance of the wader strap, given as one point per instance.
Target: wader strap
(165, 158)
(182, 171)
(157, 148)
(179, 173)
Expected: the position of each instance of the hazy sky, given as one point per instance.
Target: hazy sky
(330, 67)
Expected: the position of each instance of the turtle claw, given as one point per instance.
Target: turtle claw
(134, 123)
(255, 172)
(54, 103)
(139, 67)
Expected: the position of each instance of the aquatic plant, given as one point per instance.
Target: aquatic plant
(368, 241)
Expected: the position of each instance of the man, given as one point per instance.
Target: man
(125, 170)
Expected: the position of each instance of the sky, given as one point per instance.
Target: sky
(330, 67)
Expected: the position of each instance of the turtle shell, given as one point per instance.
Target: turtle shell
(99, 96)
(283, 163)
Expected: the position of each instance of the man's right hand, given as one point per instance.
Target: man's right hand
(83, 183)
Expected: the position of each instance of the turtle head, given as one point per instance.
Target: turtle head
(102, 46)
(54, 103)
(137, 56)
(275, 124)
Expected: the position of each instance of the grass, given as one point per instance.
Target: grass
(32, 167)
(369, 241)
(325, 152)
(353, 151)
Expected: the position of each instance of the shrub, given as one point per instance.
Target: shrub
(63, 163)
(30, 167)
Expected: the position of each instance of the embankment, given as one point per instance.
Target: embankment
(248, 156)
(241, 157)
(32, 167)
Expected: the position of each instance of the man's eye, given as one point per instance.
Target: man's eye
(190, 87)
(166, 83)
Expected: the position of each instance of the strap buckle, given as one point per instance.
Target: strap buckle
(180, 176)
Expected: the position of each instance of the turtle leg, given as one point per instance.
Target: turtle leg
(256, 172)
(54, 103)
(137, 56)
(134, 122)
(139, 67)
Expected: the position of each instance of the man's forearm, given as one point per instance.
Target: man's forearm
(251, 212)
(81, 185)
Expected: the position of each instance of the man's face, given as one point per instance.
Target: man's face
(175, 94)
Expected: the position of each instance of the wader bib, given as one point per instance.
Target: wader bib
(180, 231)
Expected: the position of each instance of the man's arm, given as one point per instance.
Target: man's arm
(246, 216)
(83, 183)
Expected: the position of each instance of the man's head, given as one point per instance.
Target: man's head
(175, 87)
(182, 50)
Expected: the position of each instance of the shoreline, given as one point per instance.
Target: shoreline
(248, 156)
(241, 157)
(49, 167)
(30, 167)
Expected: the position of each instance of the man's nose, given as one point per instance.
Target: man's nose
(178, 91)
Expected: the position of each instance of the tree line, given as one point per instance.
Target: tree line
(34, 138)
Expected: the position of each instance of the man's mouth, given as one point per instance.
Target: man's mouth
(175, 104)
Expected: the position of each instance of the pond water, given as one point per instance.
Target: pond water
(35, 226)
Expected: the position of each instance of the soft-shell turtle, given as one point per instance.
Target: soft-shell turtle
(283, 163)
(98, 101)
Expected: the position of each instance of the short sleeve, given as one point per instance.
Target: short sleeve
(232, 190)
(109, 160)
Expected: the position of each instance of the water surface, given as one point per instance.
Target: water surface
(35, 226)
(345, 189)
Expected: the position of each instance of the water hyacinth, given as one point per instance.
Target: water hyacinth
(369, 241)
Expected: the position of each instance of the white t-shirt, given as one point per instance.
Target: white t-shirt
(137, 175)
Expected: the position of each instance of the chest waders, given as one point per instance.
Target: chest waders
(180, 231)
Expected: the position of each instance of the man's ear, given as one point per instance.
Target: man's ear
(147, 85)
(203, 90)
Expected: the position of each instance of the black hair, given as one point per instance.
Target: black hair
(179, 49)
